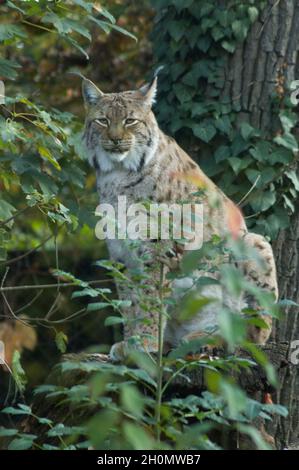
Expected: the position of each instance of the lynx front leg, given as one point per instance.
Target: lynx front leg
(142, 288)
(263, 276)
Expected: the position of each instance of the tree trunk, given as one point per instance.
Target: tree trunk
(267, 59)
(286, 249)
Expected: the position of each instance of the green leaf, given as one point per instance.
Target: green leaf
(204, 131)
(6, 210)
(5, 432)
(198, 109)
(229, 46)
(137, 437)
(110, 321)
(182, 92)
(8, 68)
(288, 141)
(232, 327)
(234, 397)
(105, 26)
(253, 14)
(132, 400)
(176, 29)
(97, 306)
(291, 174)
(61, 341)
(66, 26)
(191, 306)
(262, 200)
(254, 434)
(247, 131)
(239, 164)
(276, 409)
(9, 31)
(88, 6)
(222, 153)
(18, 372)
(22, 443)
(17, 411)
(240, 29)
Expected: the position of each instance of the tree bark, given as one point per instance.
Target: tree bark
(266, 60)
(286, 248)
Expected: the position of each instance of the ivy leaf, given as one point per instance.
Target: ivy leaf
(222, 153)
(176, 29)
(294, 178)
(205, 132)
(247, 130)
(288, 141)
(240, 29)
(262, 200)
(253, 14)
(229, 46)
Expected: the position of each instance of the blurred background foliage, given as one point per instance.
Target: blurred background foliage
(48, 195)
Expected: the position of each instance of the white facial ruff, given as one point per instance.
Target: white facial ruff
(131, 160)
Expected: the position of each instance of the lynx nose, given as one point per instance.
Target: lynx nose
(116, 141)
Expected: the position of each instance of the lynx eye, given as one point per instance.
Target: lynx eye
(130, 122)
(102, 122)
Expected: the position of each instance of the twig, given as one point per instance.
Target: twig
(250, 190)
(21, 211)
(14, 316)
(18, 258)
(48, 286)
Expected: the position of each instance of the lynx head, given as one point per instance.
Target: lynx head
(120, 128)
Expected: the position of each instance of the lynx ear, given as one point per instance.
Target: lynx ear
(149, 91)
(91, 93)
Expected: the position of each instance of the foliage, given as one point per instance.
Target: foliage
(129, 406)
(195, 41)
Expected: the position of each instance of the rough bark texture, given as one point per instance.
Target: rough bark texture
(286, 249)
(263, 63)
(266, 60)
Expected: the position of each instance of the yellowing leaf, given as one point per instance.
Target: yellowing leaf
(45, 153)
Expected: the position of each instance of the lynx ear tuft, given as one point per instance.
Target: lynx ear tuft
(149, 91)
(91, 93)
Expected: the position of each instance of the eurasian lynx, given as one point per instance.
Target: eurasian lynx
(133, 157)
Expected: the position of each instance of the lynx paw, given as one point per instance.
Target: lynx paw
(120, 351)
